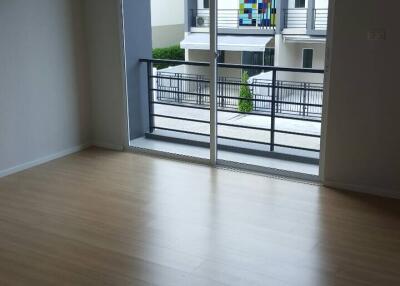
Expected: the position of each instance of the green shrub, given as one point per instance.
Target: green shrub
(245, 97)
(170, 53)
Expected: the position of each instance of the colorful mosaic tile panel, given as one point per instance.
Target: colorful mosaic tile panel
(257, 12)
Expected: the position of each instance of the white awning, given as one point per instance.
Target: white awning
(303, 39)
(201, 41)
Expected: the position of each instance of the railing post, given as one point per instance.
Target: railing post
(285, 16)
(238, 18)
(304, 98)
(314, 19)
(178, 94)
(222, 86)
(272, 139)
(150, 95)
(171, 88)
(278, 105)
(198, 89)
(269, 94)
(254, 93)
(310, 16)
(157, 85)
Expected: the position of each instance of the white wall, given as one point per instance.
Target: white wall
(231, 57)
(321, 4)
(44, 102)
(363, 135)
(222, 4)
(318, 4)
(106, 83)
(291, 55)
(228, 4)
(165, 13)
(167, 36)
(167, 21)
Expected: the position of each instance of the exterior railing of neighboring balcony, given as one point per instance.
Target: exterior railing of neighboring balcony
(297, 18)
(271, 99)
(231, 19)
(320, 19)
(178, 87)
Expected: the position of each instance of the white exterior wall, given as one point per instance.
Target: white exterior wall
(321, 4)
(318, 3)
(197, 56)
(291, 55)
(202, 56)
(222, 4)
(166, 13)
(167, 21)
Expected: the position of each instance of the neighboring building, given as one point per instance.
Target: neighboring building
(301, 39)
(283, 33)
(251, 33)
(167, 21)
(288, 33)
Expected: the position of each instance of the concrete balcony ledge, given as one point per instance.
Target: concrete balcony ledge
(236, 31)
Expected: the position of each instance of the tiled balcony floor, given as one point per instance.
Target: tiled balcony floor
(301, 170)
(243, 120)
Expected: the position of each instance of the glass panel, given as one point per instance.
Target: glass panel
(269, 57)
(271, 117)
(269, 121)
(252, 58)
(176, 90)
(267, 117)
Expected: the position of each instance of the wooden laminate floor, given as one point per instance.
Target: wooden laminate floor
(108, 218)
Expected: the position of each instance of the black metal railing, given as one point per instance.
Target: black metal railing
(271, 99)
(193, 89)
(231, 19)
(298, 18)
(288, 94)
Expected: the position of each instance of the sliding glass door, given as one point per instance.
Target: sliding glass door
(268, 116)
(170, 114)
(236, 91)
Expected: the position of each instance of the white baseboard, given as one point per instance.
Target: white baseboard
(109, 146)
(387, 193)
(42, 160)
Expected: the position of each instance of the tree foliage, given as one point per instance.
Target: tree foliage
(169, 53)
(245, 97)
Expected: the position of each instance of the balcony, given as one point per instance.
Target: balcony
(320, 20)
(283, 121)
(300, 20)
(233, 20)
